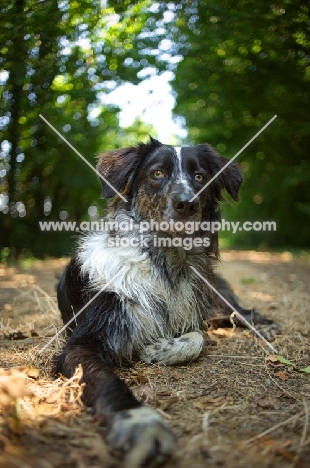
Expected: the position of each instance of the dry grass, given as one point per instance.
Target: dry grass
(234, 407)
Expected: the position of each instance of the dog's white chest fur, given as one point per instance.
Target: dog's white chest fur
(130, 274)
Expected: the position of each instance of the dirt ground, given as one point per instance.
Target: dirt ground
(237, 406)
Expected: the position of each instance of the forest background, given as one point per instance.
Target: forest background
(233, 66)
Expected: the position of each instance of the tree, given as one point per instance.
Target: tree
(57, 59)
(242, 62)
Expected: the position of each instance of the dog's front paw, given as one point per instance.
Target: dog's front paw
(172, 351)
(269, 331)
(142, 436)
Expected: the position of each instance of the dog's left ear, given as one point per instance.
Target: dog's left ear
(116, 168)
(231, 177)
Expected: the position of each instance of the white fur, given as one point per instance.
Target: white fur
(181, 178)
(140, 287)
(137, 432)
(173, 351)
(178, 152)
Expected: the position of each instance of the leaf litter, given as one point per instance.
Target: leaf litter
(236, 406)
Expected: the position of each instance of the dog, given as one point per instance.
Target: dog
(135, 293)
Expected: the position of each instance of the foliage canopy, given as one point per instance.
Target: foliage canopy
(243, 62)
(58, 59)
(236, 64)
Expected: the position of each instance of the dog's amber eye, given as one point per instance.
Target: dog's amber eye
(199, 177)
(158, 174)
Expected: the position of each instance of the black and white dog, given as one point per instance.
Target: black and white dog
(139, 296)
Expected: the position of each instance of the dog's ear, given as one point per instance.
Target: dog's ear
(116, 168)
(229, 179)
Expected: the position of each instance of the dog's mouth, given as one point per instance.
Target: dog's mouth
(178, 226)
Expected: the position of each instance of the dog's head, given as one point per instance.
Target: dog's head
(164, 183)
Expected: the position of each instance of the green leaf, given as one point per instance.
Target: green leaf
(289, 363)
(286, 361)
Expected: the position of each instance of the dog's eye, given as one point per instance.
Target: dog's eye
(158, 174)
(199, 177)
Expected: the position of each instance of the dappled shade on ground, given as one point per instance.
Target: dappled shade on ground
(233, 407)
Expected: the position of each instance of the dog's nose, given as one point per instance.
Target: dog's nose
(184, 206)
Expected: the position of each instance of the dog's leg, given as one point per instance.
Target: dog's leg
(136, 431)
(221, 312)
(171, 351)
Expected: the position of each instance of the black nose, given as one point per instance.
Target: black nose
(184, 206)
